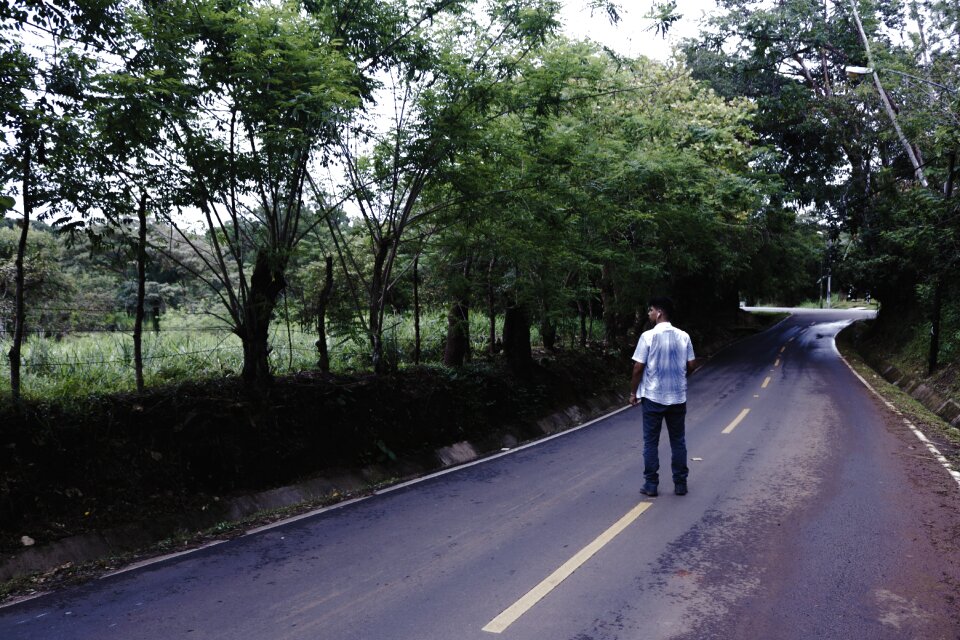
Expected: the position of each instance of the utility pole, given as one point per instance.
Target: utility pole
(829, 301)
(885, 99)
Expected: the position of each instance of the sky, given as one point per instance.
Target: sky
(632, 36)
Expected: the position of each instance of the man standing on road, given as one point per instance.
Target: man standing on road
(663, 360)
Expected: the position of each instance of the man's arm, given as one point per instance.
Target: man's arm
(635, 381)
(692, 364)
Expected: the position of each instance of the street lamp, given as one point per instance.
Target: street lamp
(891, 113)
(855, 72)
(917, 168)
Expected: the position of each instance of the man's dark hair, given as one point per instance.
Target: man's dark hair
(663, 303)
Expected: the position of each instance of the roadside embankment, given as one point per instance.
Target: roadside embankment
(929, 401)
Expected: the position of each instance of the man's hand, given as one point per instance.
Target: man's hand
(635, 382)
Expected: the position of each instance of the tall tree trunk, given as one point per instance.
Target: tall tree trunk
(934, 352)
(286, 321)
(885, 100)
(266, 283)
(951, 170)
(377, 301)
(457, 345)
(416, 310)
(492, 309)
(582, 313)
(607, 301)
(516, 339)
(141, 289)
(324, 356)
(19, 278)
(548, 334)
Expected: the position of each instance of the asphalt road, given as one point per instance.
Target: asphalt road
(817, 514)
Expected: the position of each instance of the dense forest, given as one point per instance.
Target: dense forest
(198, 188)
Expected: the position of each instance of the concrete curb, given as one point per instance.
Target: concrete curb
(945, 408)
(94, 546)
(916, 431)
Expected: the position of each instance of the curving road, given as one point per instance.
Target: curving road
(812, 513)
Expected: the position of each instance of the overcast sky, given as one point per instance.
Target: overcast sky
(632, 36)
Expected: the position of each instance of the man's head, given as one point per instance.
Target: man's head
(660, 309)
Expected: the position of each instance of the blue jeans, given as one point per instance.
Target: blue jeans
(654, 415)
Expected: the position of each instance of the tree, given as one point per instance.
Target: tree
(897, 132)
(45, 283)
(43, 91)
(608, 179)
(126, 178)
(312, 285)
(442, 96)
(249, 93)
(655, 192)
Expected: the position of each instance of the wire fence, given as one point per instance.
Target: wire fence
(101, 360)
(127, 359)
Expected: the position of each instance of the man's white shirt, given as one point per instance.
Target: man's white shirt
(664, 351)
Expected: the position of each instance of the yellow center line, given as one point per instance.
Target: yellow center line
(791, 338)
(777, 363)
(765, 383)
(532, 597)
(736, 421)
(783, 348)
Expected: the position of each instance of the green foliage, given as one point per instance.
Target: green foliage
(840, 155)
(607, 181)
(518, 171)
(45, 283)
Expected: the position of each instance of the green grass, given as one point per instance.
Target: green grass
(98, 363)
(187, 347)
(198, 347)
(837, 303)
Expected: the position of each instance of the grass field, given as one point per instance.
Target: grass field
(836, 302)
(195, 347)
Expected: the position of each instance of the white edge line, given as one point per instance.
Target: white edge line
(169, 556)
(435, 474)
(920, 435)
(22, 599)
(500, 454)
(340, 505)
(132, 567)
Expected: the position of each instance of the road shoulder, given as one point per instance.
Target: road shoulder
(930, 426)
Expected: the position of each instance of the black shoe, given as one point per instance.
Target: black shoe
(649, 490)
(680, 489)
